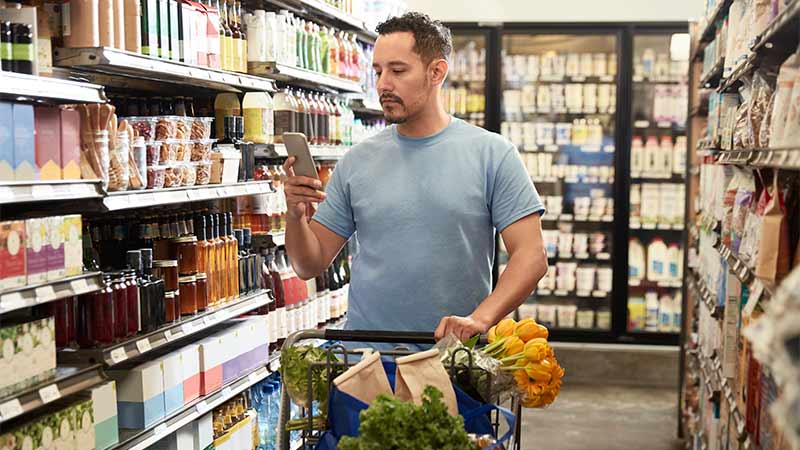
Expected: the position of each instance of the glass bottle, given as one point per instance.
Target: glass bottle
(313, 119)
(325, 120)
(299, 28)
(225, 259)
(301, 121)
(120, 306)
(324, 51)
(219, 261)
(225, 36)
(203, 250)
(84, 319)
(242, 33)
(132, 293)
(233, 256)
(243, 278)
(280, 297)
(285, 110)
(236, 35)
(210, 268)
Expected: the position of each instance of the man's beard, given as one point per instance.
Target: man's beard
(398, 104)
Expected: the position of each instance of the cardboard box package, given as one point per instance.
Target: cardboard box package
(190, 357)
(182, 439)
(55, 248)
(28, 353)
(70, 158)
(35, 251)
(106, 422)
(140, 394)
(211, 354)
(73, 245)
(25, 168)
(12, 254)
(173, 382)
(47, 122)
(203, 431)
(6, 142)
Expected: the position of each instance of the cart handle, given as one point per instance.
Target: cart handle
(388, 337)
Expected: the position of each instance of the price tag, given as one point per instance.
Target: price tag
(220, 192)
(11, 301)
(226, 392)
(6, 194)
(208, 320)
(275, 366)
(49, 393)
(641, 124)
(604, 256)
(202, 407)
(143, 345)
(582, 293)
(168, 335)
(118, 355)
(581, 218)
(254, 377)
(561, 293)
(582, 256)
(42, 191)
(756, 291)
(196, 194)
(160, 429)
(608, 218)
(551, 148)
(609, 148)
(663, 226)
(649, 226)
(599, 294)
(252, 188)
(148, 199)
(187, 328)
(45, 294)
(11, 408)
(79, 286)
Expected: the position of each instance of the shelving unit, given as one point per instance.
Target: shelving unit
(184, 328)
(16, 85)
(117, 201)
(37, 294)
(67, 381)
(303, 78)
(43, 191)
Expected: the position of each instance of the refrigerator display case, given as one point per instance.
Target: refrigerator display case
(464, 93)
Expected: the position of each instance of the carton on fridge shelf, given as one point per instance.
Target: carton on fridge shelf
(174, 30)
(70, 125)
(12, 254)
(24, 143)
(73, 245)
(173, 382)
(35, 251)
(198, 44)
(190, 357)
(55, 248)
(203, 432)
(211, 354)
(28, 352)
(106, 422)
(181, 439)
(84, 425)
(163, 28)
(140, 395)
(150, 28)
(253, 339)
(47, 121)
(234, 344)
(6, 142)
(187, 17)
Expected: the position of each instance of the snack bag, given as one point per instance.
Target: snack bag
(420, 370)
(366, 380)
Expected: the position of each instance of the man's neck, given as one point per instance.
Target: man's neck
(428, 123)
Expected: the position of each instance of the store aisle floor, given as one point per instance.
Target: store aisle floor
(596, 417)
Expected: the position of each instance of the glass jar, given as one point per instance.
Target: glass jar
(170, 303)
(167, 270)
(202, 291)
(86, 334)
(118, 170)
(138, 175)
(188, 292)
(184, 250)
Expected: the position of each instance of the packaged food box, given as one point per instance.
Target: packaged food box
(173, 382)
(73, 244)
(140, 394)
(48, 142)
(6, 142)
(12, 254)
(55, 248)
(25, 168)
(27, 353)
(70, 124)
(35, 252)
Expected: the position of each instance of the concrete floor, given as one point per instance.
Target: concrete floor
(596, 417)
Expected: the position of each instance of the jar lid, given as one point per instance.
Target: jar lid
(165, 263)
(187, 279)
(201, 276)
(184, 239)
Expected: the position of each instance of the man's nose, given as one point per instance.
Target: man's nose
(384, 85)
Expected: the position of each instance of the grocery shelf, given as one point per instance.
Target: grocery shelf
(32, 295)
(645, 177)
(187, 326)
(638, 226)
(117, 201)
(647, 284)
(568, 79)
(706, 295)
(365, 106)
(43, 191)
(578, 219)
(317, 151)
(711, 79)
(316, 9)
(781, 158)
(67, 381)
(562, 294)
(709, 32)
(711, 370)
(142, 439)
(644, 80)
(758, 288)
(604, 256)
(133, 70)
(17, 86)
(302, 77)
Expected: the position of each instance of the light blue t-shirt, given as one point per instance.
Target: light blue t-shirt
(425, 211)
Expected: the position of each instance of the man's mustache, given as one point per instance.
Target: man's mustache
(393, 98)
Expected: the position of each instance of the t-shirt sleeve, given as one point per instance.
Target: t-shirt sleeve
(336, 212)
(513, 195)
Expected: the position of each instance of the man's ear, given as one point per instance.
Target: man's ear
(438, 70)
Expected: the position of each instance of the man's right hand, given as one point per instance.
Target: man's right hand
(301, 193)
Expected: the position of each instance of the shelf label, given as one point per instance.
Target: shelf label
(275, 365)
(49, 393)
(202, 407)
(599, 294)
(143, 345)
(226, 392)
(254, 377)
(561, 293)
(551, 148)
(148, 199)
(187, 328)
(581, 218)
(168, 335)
(604, 256)
(583, 293)
(6, 194)
(42, 191)
(11, 408)
(664, 124)
(582, 256)
(649, 226)
(12, 300)
(253, 189)
(45, 294)
(79, 286)
(160, 429)
(208, 320)
(196, 194)
(641, 124)
(664, 226)
(544, 292)
(220, 192)
(118, 355)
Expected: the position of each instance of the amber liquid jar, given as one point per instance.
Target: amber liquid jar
(204, 266)
(233, 258)
(170, 303)
(202, 292)
(167, 270)
(184, 249)
(188, 292)
(220, 281)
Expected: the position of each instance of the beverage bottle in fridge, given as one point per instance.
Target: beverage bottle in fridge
(651, 305)
(236, 35)
(226, 104)
(300, 113)
(333, 52)
(225, 36)
(317, 48)
(271, 36)
(282, 34)
(355, 51)
(285, 114)
(310, 45)
(258, 117)
(337, 123)
(325, 115)
(343, 56)
(311, 117)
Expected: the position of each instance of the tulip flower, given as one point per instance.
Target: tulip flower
(537, 349)
(541, 371)
(505, 328)
(528, 329)
(492, 334)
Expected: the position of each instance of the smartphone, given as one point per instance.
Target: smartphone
(297, 146)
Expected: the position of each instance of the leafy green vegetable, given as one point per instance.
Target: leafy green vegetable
(391, 424)
(295, 363)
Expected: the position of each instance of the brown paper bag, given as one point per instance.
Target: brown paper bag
(773, 261)
(366, 380)
(420, 370)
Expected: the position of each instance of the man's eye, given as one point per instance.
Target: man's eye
(398, 71)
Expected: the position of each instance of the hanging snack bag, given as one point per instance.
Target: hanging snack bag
(420, 370)
(773, 261)
(366, 380)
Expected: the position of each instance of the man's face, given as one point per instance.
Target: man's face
(404, 81)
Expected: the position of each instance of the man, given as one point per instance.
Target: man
(425, 196)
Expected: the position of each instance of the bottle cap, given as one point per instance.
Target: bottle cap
(134, 260)
(147, 258)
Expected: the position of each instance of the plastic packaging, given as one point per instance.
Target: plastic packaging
(156, 177)
(203, 172)
(201, 149)
(143, 126)
(139, 167)
(188, 174)
(153, 151)
(183, 151)
(172, 175)
(183, 127)
(201, 128)
(169, 151)
(166, 127)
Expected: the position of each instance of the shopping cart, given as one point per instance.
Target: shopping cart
(339, 356)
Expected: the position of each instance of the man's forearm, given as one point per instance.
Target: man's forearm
(303, 247)
(524, 270)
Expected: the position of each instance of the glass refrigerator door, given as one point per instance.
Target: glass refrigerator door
(658, 182)
(465, 87)
(558, 108)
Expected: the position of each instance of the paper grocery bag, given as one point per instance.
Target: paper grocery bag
(773, 261)
(420, 370)
(366, 380)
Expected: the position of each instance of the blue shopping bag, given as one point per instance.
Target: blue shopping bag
(344, 411)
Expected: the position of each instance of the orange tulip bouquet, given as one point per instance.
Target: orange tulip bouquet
(517, 361)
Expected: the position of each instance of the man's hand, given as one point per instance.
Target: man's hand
(462, 327)
(301, 193)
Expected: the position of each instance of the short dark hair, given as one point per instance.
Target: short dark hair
(431, 39)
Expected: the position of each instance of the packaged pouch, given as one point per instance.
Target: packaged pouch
(783, 98)
(728, 202)
(366, 380)
(744, 198)
(420, 370)
(773, 260)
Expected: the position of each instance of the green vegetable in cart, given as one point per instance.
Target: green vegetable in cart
(391, 424)
(295, 364)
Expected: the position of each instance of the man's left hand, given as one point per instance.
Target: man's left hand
(461, 327)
